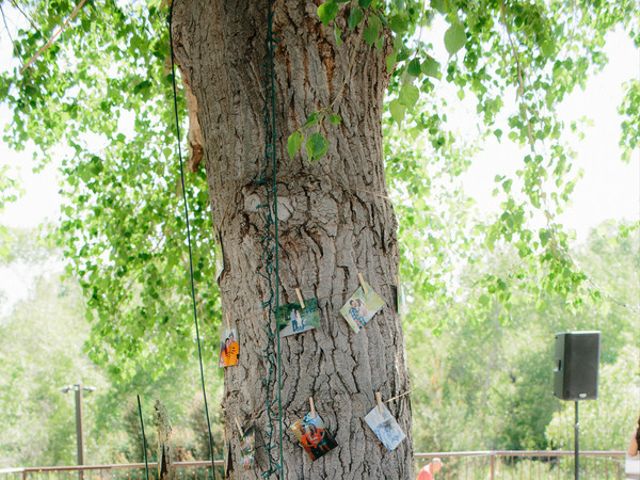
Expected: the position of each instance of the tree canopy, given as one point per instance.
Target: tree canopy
(97, 99)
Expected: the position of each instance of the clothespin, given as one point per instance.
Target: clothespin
(379, 403)
(362, 283)
(300, 299)
(239, 426)
(312, 407)
(228, 321)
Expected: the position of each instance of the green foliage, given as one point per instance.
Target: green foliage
(317, 144)
(41, 350)
(122, 221)
(629, 109)
(454, 38)
(485, 381)
(103, 89)
(608, 422)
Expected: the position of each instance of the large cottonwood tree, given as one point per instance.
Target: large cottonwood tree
(335, 219)
(107, 75)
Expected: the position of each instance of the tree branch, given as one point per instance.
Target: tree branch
(55, 35)
(24, 14)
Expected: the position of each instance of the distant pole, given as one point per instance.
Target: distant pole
(78, 388)
(80, 443)
(576, 440)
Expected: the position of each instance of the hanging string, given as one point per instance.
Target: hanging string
(144, 440)
(270, 266)
(186, 216)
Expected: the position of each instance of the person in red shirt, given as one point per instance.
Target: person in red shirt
(428, 471)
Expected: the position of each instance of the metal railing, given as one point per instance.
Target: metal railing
(483, 465)
(526, 465)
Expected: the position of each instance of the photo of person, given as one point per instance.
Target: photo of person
(293, 319)
(385, 427)
(361, 307)
(229, 348)
(313, 436)
(247, 448)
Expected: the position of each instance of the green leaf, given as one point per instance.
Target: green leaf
(414, 68)
(373, 30)
(440, 6)
(397, 110)
(294, 142)
(409, 95)
(454, 38)
(355, 17)
(337, 33)
(312, 120)
(328, 11)
(430, 67)
(544, 237)
(316, 146)
(335, 119)
(391, 62)
(364, 3)
(399, 23)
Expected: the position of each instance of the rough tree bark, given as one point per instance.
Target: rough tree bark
(335, 221)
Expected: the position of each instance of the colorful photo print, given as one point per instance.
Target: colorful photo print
(229, 348)
(313, 436)
(385, 427)
(361, 308)
(293, 319)
(248, 448)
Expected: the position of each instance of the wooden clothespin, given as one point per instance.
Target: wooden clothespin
(228, 321)
(300, 299)
(362, 283)
(312, 407)
(239, 426)
(379, 403)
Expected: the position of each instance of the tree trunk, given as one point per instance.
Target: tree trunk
(335, 221)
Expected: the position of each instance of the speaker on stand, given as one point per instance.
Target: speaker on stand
(575, 376)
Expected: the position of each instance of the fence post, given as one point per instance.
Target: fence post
(492, 466)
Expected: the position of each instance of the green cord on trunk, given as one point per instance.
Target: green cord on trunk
(144, 440)
(186, 216)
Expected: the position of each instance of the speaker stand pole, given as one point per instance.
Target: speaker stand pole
(576, 437)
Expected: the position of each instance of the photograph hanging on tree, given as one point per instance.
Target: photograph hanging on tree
(313, 435)
(293, 319)
(247, 448)
(229, 348)
(361, 307)
(385, 427)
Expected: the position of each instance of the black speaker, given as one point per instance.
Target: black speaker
(577, 357)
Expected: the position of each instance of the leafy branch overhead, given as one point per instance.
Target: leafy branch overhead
(103, 89)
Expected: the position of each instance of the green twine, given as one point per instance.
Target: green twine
(144, 440)
(186, 216)
(270, 260)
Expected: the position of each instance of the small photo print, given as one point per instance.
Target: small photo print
(293, 319)
(313, 436)
(361, 308)
(385, 427)
(248, 448)
(229, 348)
